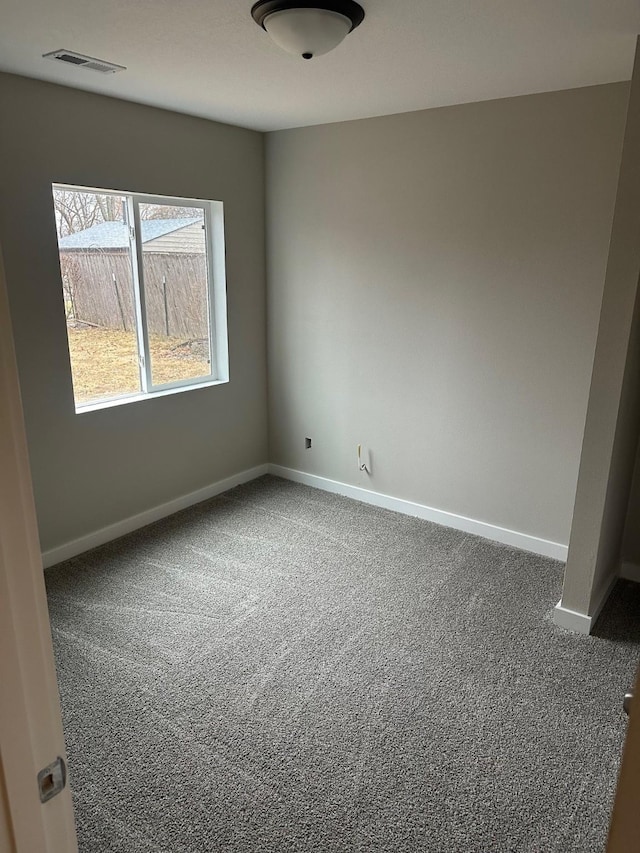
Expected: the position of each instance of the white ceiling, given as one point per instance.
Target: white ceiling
(208, 57)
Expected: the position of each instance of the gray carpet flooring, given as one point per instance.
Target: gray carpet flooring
(280, 669)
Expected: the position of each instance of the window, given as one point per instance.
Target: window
(144, 293)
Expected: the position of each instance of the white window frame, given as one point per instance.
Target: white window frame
(216, 296)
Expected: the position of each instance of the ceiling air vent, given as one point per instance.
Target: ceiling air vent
(82, 61)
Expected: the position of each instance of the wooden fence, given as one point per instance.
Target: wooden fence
(99, 290)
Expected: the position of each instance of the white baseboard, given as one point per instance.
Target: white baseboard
(135, 522)
(579, 623)
(582, 623)
(524, 541)
(630, 572)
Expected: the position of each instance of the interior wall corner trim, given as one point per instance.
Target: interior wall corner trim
(582, 623)
(135, 522)
(572, 620)
(524, 541)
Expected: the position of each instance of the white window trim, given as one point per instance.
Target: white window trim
(216, 297)
(111, 402)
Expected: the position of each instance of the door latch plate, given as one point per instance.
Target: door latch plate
(52, 779)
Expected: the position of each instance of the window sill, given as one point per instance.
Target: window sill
(150, 395)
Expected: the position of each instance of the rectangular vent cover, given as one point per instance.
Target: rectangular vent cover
(82, 61)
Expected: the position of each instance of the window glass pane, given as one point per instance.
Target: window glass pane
(176, 293)
(97, 282)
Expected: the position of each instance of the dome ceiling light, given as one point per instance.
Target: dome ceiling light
(307, 28)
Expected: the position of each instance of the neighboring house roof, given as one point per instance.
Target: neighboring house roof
(115, 235)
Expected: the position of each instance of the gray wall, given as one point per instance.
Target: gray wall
(613, 417)
(93, 469)
(435, 281)
(631, 543)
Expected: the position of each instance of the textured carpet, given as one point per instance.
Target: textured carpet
(280, 669)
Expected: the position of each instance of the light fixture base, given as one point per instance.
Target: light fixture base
(349, 8)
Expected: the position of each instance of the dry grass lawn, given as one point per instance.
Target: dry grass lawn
(104, 362)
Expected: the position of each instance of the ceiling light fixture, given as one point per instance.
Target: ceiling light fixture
(307, 28)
